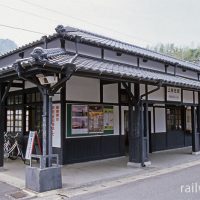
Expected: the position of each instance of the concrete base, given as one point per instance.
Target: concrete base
(41, 180)
(196, 153)
(137, 165)
(147, 163)
(133, 164)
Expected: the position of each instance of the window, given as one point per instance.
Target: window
(33, 97)
(174, 119)
(89, 119)
(14, 99)
(14, 120)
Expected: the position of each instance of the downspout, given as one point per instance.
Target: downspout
(142, 119)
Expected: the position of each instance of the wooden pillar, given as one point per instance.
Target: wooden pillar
(145, 136)
(63, 125)
(2, 124)
(138, 132)
(195, 134)
(134, 130)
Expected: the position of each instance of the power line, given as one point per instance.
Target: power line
(83, 20)
(22, 29)
(27, 12)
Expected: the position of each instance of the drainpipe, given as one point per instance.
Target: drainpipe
(142, 118)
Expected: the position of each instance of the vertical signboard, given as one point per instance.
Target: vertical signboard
(29, 147)
(56, 122)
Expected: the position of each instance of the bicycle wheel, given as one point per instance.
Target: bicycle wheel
(13, 155)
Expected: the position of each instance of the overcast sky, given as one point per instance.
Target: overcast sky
(141, 22)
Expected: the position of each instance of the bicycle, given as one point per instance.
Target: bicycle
(12, 148)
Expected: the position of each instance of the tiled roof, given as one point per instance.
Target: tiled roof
(59, 57)
(99, 40)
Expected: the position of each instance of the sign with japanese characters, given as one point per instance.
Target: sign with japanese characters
(29, 147)
(56, 120)
(173, 94)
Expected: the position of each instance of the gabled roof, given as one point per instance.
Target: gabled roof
(99, 40)
(102, 41)
(59, 57)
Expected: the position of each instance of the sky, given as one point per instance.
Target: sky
(140, 22)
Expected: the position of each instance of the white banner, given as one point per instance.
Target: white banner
(56, 123)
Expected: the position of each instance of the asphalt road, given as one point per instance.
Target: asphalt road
(181, 185)
(6, 189)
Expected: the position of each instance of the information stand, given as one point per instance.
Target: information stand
(31, 144)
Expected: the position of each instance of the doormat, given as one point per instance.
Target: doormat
(18, 195)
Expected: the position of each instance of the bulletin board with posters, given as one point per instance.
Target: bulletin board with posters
(83, 120)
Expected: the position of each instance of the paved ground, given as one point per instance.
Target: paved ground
(6, 189)
(94, 177)
(180, 185)
(79, 174)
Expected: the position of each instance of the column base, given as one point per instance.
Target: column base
(133, 164)
(196, 153)
(147, 163)
(42, 180)
(138, 165)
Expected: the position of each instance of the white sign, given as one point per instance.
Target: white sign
(56, 123)
(173, 94)
(29, 147)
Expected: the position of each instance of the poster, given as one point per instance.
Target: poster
(79, 119)
(56, 123)
(95, 119)
(108, 118)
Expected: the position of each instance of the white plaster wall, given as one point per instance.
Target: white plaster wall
(110, 93)
(160, 120)
(132, 88)
(83, 89)
(123, 108)
(170, 69)
(89, 50)
(124, 58)
(29, 85)
(187, 96)
(157, 95)
(54, 44)
(187, 73)
(56, 96)
(116, 120)
(142, 90)
(152, 65)
(14, 89)
(70, 46)
(196, 97)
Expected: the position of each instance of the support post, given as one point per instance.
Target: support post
(45, 127)
(138, 132)
(2, 125)
(134, 130)
(47, 177)
(195, 134)
(50, 131)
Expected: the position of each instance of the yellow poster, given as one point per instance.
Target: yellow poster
(108, 118)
